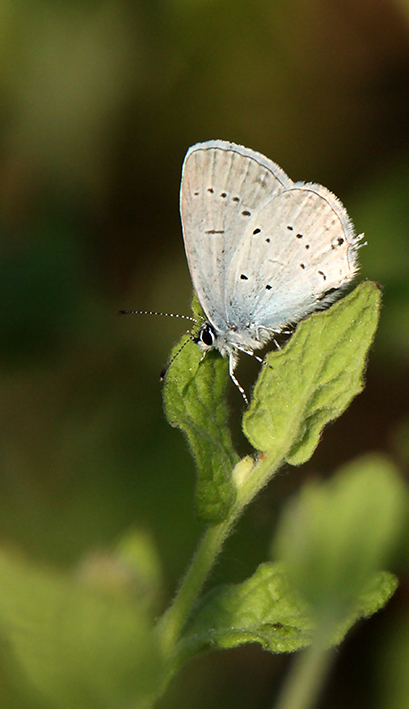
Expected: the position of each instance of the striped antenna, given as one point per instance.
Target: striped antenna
(167, 315)
(151, 312)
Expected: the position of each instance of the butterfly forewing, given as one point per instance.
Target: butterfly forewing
(223, 187)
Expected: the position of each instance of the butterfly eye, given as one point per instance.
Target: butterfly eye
(206, 335)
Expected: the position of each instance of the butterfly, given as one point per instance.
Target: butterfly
(263, 251)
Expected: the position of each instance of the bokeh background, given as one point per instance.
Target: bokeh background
(99, 101)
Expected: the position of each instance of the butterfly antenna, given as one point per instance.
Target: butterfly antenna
(152, 312)
(167, 315)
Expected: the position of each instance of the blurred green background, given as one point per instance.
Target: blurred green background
(99, 101)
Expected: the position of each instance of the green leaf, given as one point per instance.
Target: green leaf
(77, 646)
(373, 597)
(265, 609)
(314, 377)
(334, 536)
(262, 609)
(132, 569)
(195, 402)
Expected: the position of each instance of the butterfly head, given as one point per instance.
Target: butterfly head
(208, 338)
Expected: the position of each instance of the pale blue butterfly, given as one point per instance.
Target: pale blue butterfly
(263, 251)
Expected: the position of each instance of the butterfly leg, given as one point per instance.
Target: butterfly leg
(233, 358)
(250, 353)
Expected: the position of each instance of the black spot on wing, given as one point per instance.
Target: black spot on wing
(337, 242)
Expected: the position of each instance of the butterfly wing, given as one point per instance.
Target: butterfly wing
(297, 251)
(223, 186)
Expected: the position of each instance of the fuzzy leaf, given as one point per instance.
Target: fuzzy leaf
(314, 377)
(195, 402)
(265, 609)
(262, 609)
(373, 597)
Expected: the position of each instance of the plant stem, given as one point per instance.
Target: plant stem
(173, 620)
(305, 680)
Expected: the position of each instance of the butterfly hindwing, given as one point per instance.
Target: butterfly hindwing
(296, 252)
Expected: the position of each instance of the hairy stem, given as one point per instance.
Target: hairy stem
(171, 624)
